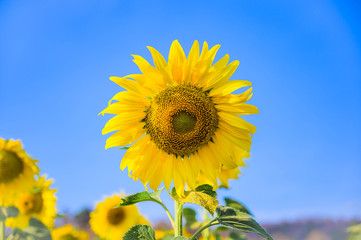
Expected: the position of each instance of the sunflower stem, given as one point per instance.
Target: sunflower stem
(2, 230)
(178, 230)
(211, 223)
(168, 213)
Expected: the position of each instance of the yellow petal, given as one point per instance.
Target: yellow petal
(237, 122)
(158, 176)
(233, 98)
(239, 109)
(123, 138)
(143, 65)
(159, 61)
(168, 165)
(130, 85)
(132, 153)
(229, 87)
(130, 98)
(124, 120)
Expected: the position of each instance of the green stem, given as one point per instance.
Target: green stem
(2, 230)
(211, 223)
(178, 230)
(168, 213)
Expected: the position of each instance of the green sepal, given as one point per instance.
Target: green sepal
(35, 231)
(126, 148)
(203, 195)
(6, 212)
(140, 232)
(232, 218)
(237, 205)
(141, 197)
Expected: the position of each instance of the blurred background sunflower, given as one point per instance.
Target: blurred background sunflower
(68, 232)
(39, 203)
(17, 170)
(111, 223)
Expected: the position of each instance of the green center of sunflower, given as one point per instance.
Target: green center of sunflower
(68, 237)
(181, 119)
(11, 166)
(32, 203)
(116, 215)
(183, 122)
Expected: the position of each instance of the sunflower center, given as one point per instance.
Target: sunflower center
(116, 216)
(181, 119)
(32, 203)
(68, 237)
(183, 122)
(11, 166)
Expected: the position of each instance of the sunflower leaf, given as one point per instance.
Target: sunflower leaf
(180, 238)
(237, 236)
(6, 212)
(140, 232)
(237, 205)
(233, 218)
(202, 195)
(35, 231)
(190, 217)
(141, 197)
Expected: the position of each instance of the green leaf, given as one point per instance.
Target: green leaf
(6, 212)
(203, 196)
(35, 231)
(221, 229)
(168, 237)
(141, 197)
(180, 238)
(237, 236)
(140, 232)
(232, 218)
(59, 215)
(237, 205)
(190, 216)
(207, 189)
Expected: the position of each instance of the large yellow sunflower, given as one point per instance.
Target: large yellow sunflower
(111, 223)
(39, 203)
(17, 170)
(181, 117)
(67, 232)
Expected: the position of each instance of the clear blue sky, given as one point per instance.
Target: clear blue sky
(303, 57)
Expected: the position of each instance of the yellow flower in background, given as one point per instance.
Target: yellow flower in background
(182, 117)
(39, 203)
(111, 223)
(67, 232)
(17, 170)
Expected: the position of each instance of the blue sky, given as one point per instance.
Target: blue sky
(303, 58)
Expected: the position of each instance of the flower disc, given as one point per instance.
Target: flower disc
(11, 166)
(181, 119)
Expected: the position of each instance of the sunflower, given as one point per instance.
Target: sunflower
(112, 223)
(17, 170)
(181, 117)
(67, 232)
(39, 203)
